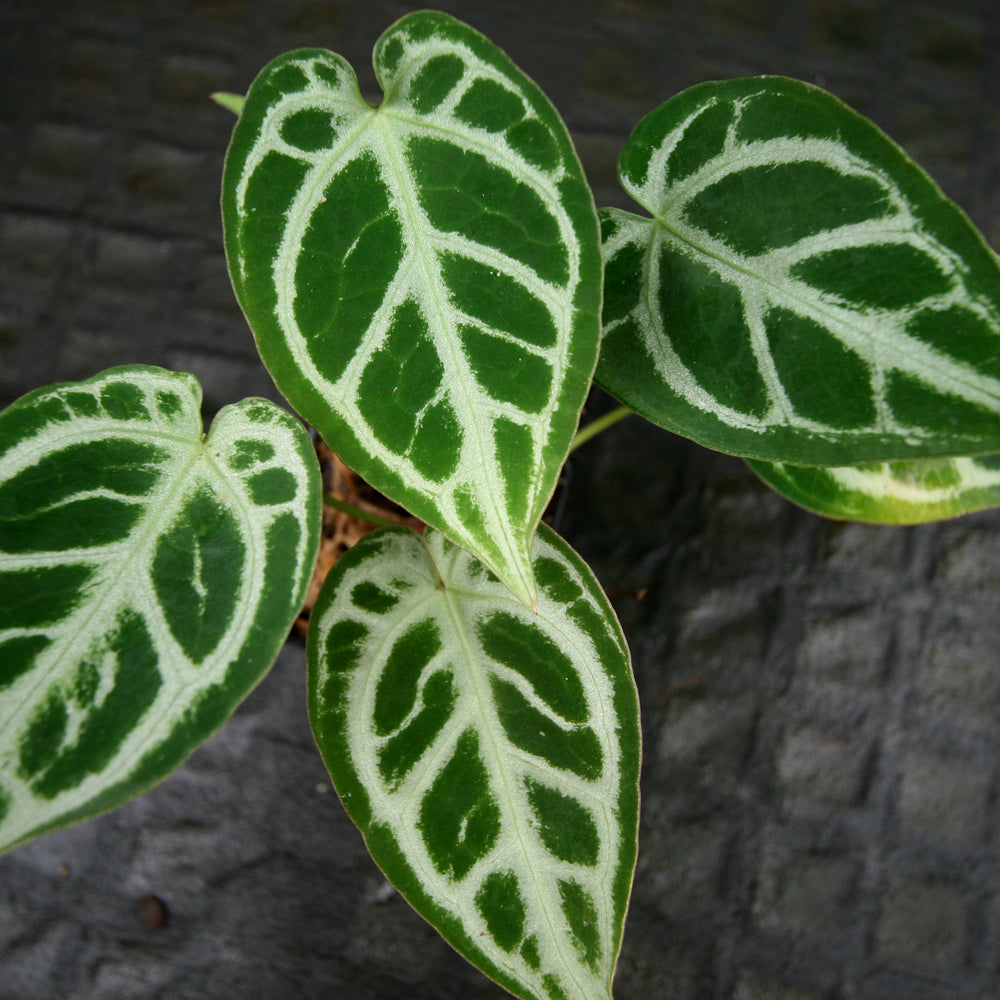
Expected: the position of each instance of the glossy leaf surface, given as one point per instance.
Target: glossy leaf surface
(423, 278)
(148, 577)
(929, 489)
(802, 292)
(489, 754)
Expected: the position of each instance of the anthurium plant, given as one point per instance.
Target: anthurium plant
(433, 291)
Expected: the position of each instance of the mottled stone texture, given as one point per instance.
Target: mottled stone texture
(821, 702)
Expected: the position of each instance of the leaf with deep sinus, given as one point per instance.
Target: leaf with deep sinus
(913, 492)
(803, 292)
(489, 755)
(423, 278)
(148, 576)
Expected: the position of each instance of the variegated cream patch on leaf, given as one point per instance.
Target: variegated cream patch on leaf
(148, 576)
(489, 754)
(801, 291)
(929, 489)
(423, 278)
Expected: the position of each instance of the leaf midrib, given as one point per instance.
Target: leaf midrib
(732, 157)
(446, 345)
(833, 318)
(391, 159)
(110, 597)
(515, 809)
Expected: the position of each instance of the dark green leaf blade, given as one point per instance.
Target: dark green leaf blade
(488, 754)
(803, 292)
(423, 278)
(148, 576)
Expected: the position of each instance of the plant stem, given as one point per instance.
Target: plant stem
(599, 424)
(358, 512)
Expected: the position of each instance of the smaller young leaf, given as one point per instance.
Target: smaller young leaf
(914, 492)
(488, 754)
(148, 576)
(802, 291)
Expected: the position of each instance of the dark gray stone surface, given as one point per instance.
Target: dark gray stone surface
(821, 702)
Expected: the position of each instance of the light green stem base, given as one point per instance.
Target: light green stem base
(357, 512)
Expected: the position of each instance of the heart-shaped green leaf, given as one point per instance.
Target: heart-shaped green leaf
(489, 754)
(423, 278)
(148, 577)
(803, 292)
(928, 489)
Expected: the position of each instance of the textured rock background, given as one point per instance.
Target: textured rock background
(821, 701)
